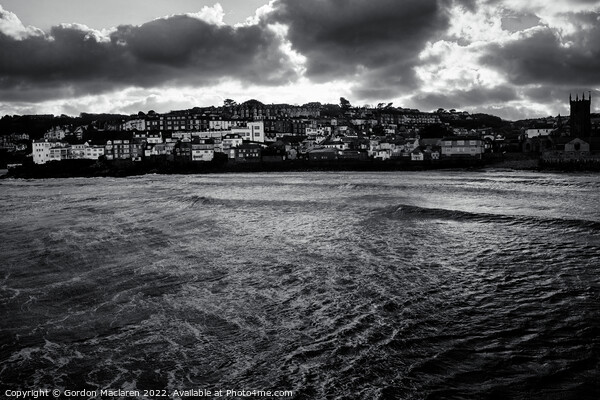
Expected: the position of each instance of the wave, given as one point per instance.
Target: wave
(196, 201)
(411, 211)
(201, 200)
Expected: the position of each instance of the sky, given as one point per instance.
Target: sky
(511, 58)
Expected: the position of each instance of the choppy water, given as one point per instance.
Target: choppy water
(420, 285)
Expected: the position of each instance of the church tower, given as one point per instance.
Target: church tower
(580, 121)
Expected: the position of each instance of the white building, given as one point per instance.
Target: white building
(390, 129)
(93, 152)
(319, 131)
(134, 124)
(381, 150)
(86, 151)
(211, 134)
(154, 138)
(41, 151)
(420, 119)
(78, 151)
(56, 133)
(231, 140)
(337, 144)
(462, 147)
(220, 125)
(416, 155)
(59, 152)
(253, 131)
(538, 132)
(183, 136)
(203, 152)
(382, 154)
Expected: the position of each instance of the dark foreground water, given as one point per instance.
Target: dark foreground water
(426, 285)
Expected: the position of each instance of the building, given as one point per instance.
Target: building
(322, 155)
(580, 120)
(134, 124)
(56, 133)
(183, 152)
(78, 132)
(183, 136)
(117, 149)
(78, 151)
(231, 140)
(337, 144)
(431, 154)
(321, 131)
(203, 151)
(538, 144)
(41, 151)
(576, 150)
(275, 152)
(352, 155)
(577, 147)
(251, 131)
(531, 133)
(176, 121)
(163, 151)
(219, 125)
(59, 152)
(417, 155)
(462, 147)
(246, 153)
(154, 138)
(94, 152)
(211, 134)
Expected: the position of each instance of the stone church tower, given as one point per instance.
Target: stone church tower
(581, 125)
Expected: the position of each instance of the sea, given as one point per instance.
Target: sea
(312, 285)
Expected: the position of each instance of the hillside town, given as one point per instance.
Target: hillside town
(253, 132)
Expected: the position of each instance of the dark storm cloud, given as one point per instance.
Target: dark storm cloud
(558, 97)
(547, 57)
(378, 39)
(466, 98)
(180, 50)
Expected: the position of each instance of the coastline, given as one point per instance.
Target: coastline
(124, 168)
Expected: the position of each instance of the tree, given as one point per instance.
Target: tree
(229, 103)
(378, 130)
(344, 104)
(314, 104)
(434, 131)
(330, 110)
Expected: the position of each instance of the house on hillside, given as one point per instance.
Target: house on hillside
(417, 155)
(462, 147)
(322, 155)
(203, 151)
(247, 152)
